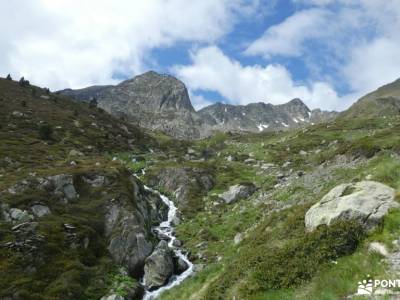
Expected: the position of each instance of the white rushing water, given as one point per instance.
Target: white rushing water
(166, 228)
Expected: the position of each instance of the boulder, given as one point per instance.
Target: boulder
(366, 202)
(62, 185)
(19, 216)
(113, 297)
(74, 152)
(40, 210)
(237, 192)
(181, 265)
(376, 247)
(96, 181)
(159, 266)
(128, 244)
(238, 238)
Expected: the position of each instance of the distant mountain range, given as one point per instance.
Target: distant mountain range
(161, 102)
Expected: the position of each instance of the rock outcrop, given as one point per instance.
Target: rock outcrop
(366, 202)
(159, 266)
(237, 192)
(187, 184)
(128, 230)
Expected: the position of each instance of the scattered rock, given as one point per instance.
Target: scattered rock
(237, 192)
(303, 153)
(202, 245)
(19, 216)
(365, 201)
(40, 210)
(17, 114)
(238, 238)
(267, 166)
(378, 248)
(158, 267)
(96, 181)
(62, 185)
(181, 266)
(250, 161)
(177, 243)
(74, 152)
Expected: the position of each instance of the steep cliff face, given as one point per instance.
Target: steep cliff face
(153, 101)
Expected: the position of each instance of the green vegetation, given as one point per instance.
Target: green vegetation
(277, 259)
(44, 134)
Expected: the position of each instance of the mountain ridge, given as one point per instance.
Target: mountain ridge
(161, 102)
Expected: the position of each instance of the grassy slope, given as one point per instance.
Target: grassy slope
(275, 260)
(273, 239)
(61, 272)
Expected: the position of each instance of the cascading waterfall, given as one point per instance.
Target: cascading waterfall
(166, 228)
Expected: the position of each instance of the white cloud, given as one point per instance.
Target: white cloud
(212, 70)
(63, 43)
(198, 101)
(288, 37)
(373, 64)
(358, 39)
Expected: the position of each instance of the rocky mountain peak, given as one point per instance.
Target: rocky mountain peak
(161, 102)
(156, 92)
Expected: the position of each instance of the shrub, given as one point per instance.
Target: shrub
(298, 261)
(9, 77)
(22, 82)
(45, 131)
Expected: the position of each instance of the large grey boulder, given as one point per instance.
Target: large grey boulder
(40, 210)
(237, 192)
(19, 216)
(128, 244)
(159, 266)
(128, 227)
(61, 185)
(365, 201)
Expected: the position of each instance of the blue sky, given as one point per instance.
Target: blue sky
(326, 52)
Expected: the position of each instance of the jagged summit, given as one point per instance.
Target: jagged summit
(161, 102)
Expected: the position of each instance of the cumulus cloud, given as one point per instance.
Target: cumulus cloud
(359, 40)
(66, 44)
(212, 70)
(288, 37)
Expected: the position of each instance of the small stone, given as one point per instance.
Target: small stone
(238, 238)
(74, 152)
(177, 243)
(378, 248)
(40, 210)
